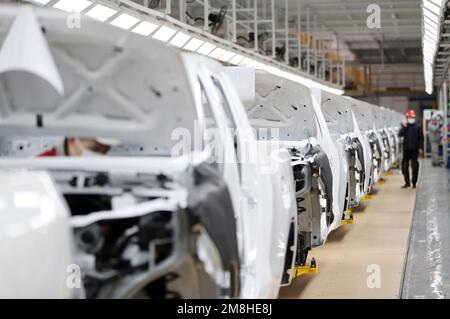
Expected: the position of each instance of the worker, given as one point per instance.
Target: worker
(73, 146)
(412, 144)
(82, 204)
(434, 136)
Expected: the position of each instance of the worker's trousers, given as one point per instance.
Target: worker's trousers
(435, 153)
(410, 156)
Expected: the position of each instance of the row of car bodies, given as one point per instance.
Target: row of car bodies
(207, 194)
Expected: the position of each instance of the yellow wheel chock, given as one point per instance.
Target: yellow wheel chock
(349, 220)
(381, 181)
(389, 172)
(306, 270)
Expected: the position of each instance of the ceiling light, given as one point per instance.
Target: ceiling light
(432, 23)
(124, 21)
(429, 38)
(193, 45)
(428, 54)
(100, 12)
(72, 6)
(164, 33)
(236, 59)
(217, 53)
(430, 29)
(180, 39)
(427, 35)
(431, 15)
(227, 56)
(436, 2)
(43, 2)
(206, 48)
(145, 28)
(432, 7)
(245, 61)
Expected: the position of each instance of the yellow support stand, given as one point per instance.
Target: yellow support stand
(306, 270)
(349, 220)
(367, 197)
(389, 172)
(381, 181)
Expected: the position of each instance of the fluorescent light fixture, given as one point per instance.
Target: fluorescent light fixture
(164, 33)
(124, 21)
(430, 15)
(246, 61)
(72, 6)
(193, 45)
(436, 2)
(431, 19)
(100, 12)
(432, 7)
(430, 31)
(227, 56)
(145, 28)
(431, 25)
(429, 60)
(428, 50)
(430, 36)
(217, 53)
(236, 59)
(439, 3)
(43, 2)
(180, 39)
(206, 48)
(430, 28)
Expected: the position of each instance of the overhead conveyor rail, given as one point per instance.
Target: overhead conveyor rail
(168, 26)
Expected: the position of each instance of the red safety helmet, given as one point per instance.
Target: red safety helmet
(411, 114)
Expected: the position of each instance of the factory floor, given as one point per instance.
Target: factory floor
(366, 259)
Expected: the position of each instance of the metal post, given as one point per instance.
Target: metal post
(256, 25)
(182, 5)
(274, 43)
(234, 31)
(168, 6)
(331, 71)
(445, 144)
(308, 49)
(264, 9)
(286, 27)
(315, 46)
(206, 14)
(299, 34)
(343, 72)
(324, 62)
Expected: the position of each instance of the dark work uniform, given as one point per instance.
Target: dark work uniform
(412, 141)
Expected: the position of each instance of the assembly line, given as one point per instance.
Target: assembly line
(205, 191)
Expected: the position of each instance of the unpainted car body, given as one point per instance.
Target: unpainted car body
(349, 140)
(283, 113)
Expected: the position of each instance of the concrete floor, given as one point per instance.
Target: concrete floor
(427, 272)
(364, 260)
